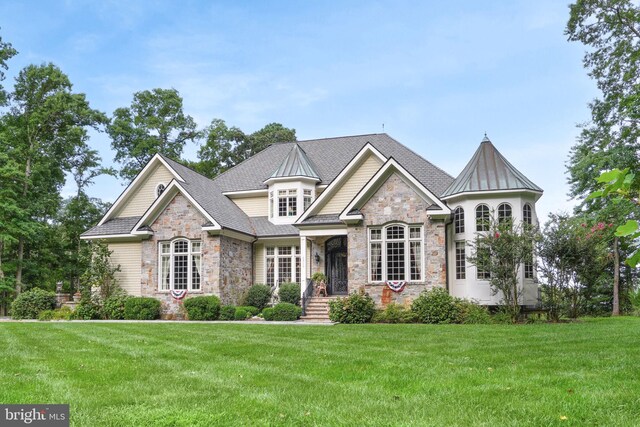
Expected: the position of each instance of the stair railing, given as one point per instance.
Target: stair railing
(306, 296)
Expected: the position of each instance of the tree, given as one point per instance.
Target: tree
(611, 29)
(100, 274)
(6, 52)
(225, 146)
(155, 123)
(45, 124)
(500, 251)
(572, 257)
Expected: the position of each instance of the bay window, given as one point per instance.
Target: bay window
(282, 264)
(287, 203)
(395, 253)
(180, 265)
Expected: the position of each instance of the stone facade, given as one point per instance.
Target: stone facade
(181, 219)
(395, 201)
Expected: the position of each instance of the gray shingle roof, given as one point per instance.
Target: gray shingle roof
(322, 219)
(488, 170)
(296, 164)
(263, 228)
(329, 157)
(113, 226)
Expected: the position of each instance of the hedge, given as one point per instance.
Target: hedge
(29, 304)
(202, 307)
(142, 308)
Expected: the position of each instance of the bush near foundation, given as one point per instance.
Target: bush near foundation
(286, 312)
(257, 296)
(436, 306)
(241, 314)
(356, 308)
(267, 313)
(289, 292)
(394, 313)
(29, 304)
(142, 308)
(227, 312)
(202, 307)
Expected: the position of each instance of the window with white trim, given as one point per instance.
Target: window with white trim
(180, 265)
(528, 269)
(307, 199)
(287, 203)
(527, 214)
(482, 273)
(270, 204)
(282, 264)
(482, 218)
(395, 253)
(458, 220)
(461, 260)
(504, 212)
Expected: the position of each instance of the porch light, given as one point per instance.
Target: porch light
(317, 258)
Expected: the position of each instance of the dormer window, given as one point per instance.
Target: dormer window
(308, 199)
(287, 203)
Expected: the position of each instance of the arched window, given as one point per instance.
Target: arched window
(395, 253)
(482, 218)
(504, 212)
(180, 265)
(159, 189)
(527, 214)
(458, 220)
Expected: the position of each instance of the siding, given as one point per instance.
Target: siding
(258, 263)
(129, 256)
(350, 188)
(253, 206)
(140, 199)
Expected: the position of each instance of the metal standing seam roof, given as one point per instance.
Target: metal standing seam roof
(296, 164)
(488, 170)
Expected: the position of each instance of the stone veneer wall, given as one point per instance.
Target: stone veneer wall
(180, 219)
(235, 269)
(396, 201)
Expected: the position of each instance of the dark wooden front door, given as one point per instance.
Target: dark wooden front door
(336, 268)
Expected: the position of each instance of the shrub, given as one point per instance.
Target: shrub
(435, 306)
(227, 312)
(289, 292)
(241, 314)
(356, 308)
(88, 309)
(286, 311)
(257, 296)
(29, 304)
(63, 313)
(254, 311)
(471, 313)
(113, 307)
(394, 313)
(202, 308)
(502, 317)
(267, 313)
(141, 308)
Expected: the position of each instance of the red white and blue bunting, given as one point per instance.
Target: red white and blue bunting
(396, 285)
(178, 294)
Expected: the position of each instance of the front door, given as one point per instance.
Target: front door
(336, 268)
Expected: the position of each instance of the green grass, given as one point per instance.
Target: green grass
(180, 374)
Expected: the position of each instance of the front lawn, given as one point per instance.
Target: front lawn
(181, 374)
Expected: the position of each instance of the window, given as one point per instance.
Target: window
(160, 189)
(180, 265)
(483, 255)
(282, 264)
(271, 204)
(528, 270)
(504, 213)
(461, 260)
(458, 220)
(287, 203)
(307, 199)
(395, 253)
(527, 215)
(482, 218)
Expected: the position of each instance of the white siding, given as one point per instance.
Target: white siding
(253, 206)
(129, 256)
(350, 188)
(258, 263)
(139, 200)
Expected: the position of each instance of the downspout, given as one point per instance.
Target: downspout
(446, 254)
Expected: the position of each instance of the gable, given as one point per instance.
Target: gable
(395, 200)
(144, 194)
(352, 185)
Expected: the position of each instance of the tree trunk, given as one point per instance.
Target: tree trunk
(3, 308)
(25, 189)
(616, 278)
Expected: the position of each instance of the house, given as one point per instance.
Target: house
(365, 210)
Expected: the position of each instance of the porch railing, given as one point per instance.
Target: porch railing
(306, 295)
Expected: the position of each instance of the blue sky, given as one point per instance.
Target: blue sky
(437, 74)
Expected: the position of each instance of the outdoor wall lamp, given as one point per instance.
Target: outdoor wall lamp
(317, 258)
